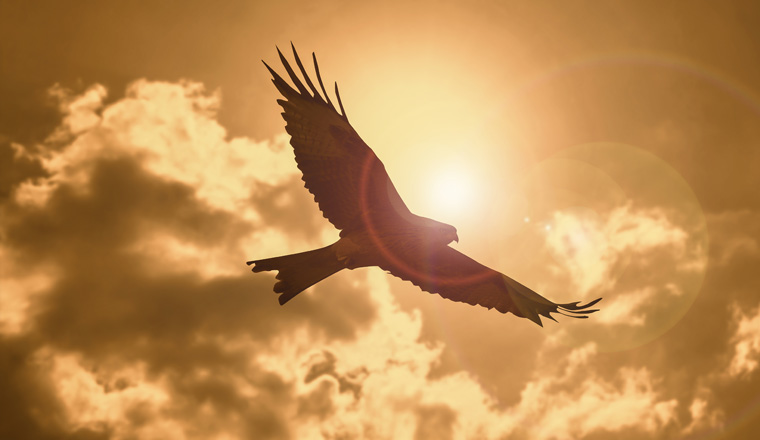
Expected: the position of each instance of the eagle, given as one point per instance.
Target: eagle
(354, 192)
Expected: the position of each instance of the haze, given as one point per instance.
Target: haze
(585, 148)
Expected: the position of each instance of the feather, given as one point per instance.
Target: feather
(303, 72)
(337, 95)
(333, 158)
(319, 78)
(292, 75)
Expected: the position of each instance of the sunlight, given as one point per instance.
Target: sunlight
(451, 191)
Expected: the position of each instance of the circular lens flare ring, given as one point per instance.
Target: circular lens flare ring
(390, 255)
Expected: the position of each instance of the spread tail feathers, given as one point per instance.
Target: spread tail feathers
(297, 272)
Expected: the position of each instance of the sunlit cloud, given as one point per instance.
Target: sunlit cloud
(746, 343)
(80, 111)
(702, 416)
(157, 330)
(735, 234)
(626, 308)
(172, 129)
(111, 398)
(388, 366)
(19, 288)
(196, 213)
(588, 246)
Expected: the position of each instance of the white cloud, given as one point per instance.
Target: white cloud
(80, 111)
(746, 343)
(380, 379)
(172, 127)
(702, 416)
(588, 246)
(92, 399)
(19, 289)
(625, 308)
(394, 384)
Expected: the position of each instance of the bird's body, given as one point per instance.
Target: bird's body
(355, 194)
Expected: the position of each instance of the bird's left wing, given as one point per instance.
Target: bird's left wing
(457, 277)
(348, 181)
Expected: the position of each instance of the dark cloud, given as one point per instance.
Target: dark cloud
(435, 422)
(290, 208)
(30, 410)
(318, 403)
(125, 314)
(115, 307)
(323, 364)
(15, 168)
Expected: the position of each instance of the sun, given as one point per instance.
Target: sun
(451, 192)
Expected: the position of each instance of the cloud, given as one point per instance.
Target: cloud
(626, 308)
(129, 304)
(647, 263)
(734, 235)
(146, 323)
(116, 399)
(435, 421)
(171, 128)
(702, 416)
(80, 112)
(396, 397)
(579, 402)
(746, 343)
(16, 166)
(21, 287)
(589, 246)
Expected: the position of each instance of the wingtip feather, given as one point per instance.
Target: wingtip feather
(293, 77)
(319, 79)
(340, 103)
(305, 75)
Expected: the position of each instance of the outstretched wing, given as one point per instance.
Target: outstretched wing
(457, 277)
(339, 169)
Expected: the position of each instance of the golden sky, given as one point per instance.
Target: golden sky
(584, 148)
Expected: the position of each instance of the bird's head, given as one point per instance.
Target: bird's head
(441, 232)
(450, 234)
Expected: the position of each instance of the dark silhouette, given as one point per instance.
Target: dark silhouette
(354, 193)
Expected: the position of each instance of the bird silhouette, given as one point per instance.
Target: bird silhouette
(355, 194)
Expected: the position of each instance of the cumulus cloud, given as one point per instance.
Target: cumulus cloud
(171, 129)
(735, 234)
(702, 416)
(746, 343)
(20, 288)
(115, 400)
(644, 262)
(79, 111)
(589, 246)
(146, 323)
(626, 308)
(127, 299)
(379, 387)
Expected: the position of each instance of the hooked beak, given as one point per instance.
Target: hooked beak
(456, 237)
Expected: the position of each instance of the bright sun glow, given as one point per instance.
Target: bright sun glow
(452, 192)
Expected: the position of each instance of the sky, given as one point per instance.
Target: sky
(583, 148)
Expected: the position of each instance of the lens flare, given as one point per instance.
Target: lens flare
(614, 221)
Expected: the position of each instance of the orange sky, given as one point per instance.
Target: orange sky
(586, 149)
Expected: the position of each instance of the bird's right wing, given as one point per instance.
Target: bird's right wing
(457, 277)
(339, 169)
